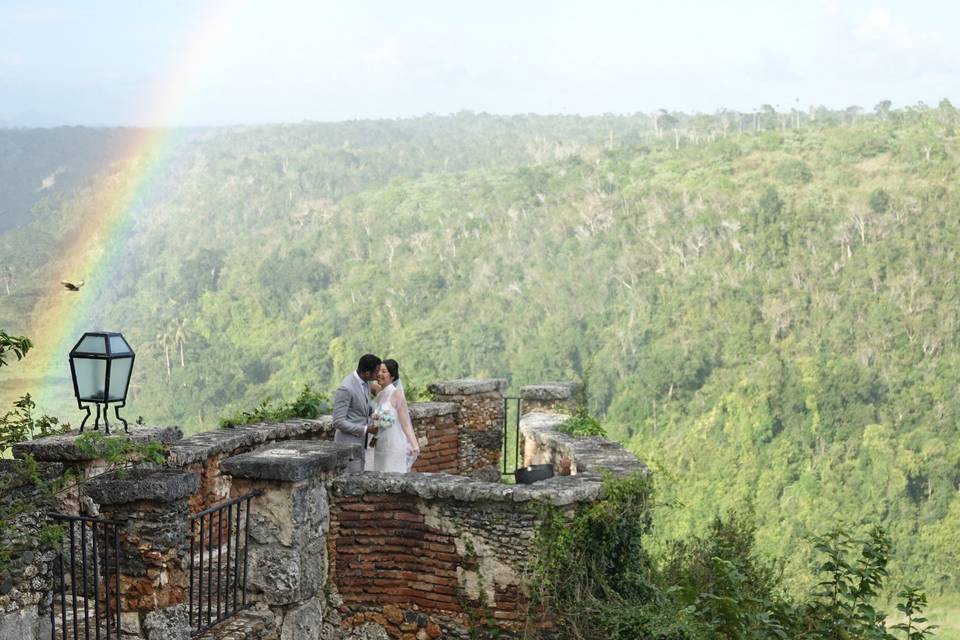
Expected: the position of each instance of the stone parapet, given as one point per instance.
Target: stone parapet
(209, 444)
(202, 453)
(558, 490)
(543, 444)
(65, 447)
(467, 387)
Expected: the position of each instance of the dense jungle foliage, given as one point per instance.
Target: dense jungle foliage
(767, 301)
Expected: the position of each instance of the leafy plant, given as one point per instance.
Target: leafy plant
(17, 345)
(582, 423)
(309, 404)
(912, 607)
(20, 424)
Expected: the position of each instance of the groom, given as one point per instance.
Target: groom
(352, 410)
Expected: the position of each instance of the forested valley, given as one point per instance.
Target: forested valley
(765, 303)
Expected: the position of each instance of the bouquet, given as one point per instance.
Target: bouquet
(382, 421)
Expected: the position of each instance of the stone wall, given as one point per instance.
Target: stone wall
(26, 576)
(437, 555)
(335, 555)
(481, 429)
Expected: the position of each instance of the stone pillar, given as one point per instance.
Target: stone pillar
(154, 547)
(288, 527)
(83, 455)
(549, 397)
(481, 429)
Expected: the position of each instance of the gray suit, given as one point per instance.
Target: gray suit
(351, 414)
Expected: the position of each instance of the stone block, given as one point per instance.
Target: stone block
(292, 461)
(303, 622)
(171, 623)
(22, 624)
(286, 575)
(550, 391)
(134, 485)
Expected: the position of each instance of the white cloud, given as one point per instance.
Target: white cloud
(879, 28)
(387, 55)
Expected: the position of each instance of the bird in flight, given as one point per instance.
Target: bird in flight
(70, 286)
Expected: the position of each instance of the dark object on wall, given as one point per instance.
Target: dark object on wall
(534, 473)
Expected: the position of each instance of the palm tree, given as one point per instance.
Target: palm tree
(180, 336)
(165, 341)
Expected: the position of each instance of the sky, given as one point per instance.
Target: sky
(175, 62)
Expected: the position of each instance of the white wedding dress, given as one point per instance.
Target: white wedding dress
(392, 452)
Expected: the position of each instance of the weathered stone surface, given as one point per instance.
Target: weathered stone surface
(287, 514)
(286, 575)
(543, 444)
(20, 624)
(207, 444)
(466, 387)
(292, 461)
(556, 490)
(549, 391)
(424, 410)
(252, 624)
(133, 485)
(167, 624)
(64, 448)
(303, 622)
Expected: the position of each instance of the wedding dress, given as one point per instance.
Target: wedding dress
(392, 451)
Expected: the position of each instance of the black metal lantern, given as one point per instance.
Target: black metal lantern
(100, 364)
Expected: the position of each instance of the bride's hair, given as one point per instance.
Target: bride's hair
(393, 368)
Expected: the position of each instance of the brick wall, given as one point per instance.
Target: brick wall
(439, 555)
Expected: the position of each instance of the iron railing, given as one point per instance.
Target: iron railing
(84, 583)
(511, 458)
(218, 589)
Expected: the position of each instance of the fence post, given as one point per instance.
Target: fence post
(153, 545)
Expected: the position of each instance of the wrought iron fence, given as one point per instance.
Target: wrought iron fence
(510, 454)
(218, 586)
(83, 585)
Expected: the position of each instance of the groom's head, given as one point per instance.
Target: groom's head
(367, 367)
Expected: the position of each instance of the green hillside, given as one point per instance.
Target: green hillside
(768, 314)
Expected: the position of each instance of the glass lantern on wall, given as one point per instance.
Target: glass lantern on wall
(100, 365)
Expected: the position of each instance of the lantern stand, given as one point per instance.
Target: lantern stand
(100, 365)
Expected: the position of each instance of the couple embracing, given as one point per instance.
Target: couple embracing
(380, 424)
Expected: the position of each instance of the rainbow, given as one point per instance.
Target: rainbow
(91, 252)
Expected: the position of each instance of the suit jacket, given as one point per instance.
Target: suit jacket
(351, 414)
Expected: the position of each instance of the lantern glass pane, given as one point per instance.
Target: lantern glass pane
(118, 347)
(92, 344)
(91, 378)
(119, 374)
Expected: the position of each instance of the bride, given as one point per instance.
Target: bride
(396, 448)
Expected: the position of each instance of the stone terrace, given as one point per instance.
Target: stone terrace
(337, 555)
